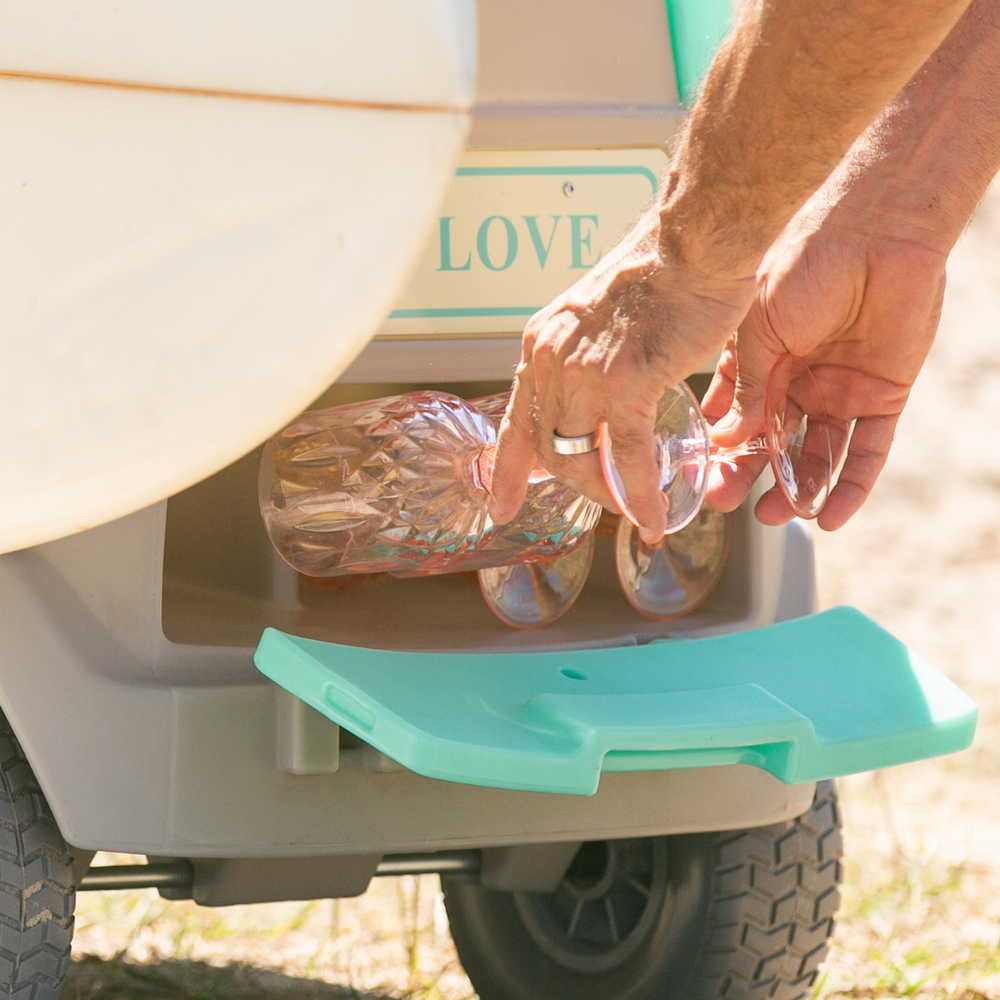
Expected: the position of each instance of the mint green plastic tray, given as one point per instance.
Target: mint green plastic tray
(813, 698)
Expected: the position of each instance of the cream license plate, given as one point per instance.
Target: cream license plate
(515, 230)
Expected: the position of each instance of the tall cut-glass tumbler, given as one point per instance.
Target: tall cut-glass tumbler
(400, 485)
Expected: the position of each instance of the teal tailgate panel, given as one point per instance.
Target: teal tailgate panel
(813, 698)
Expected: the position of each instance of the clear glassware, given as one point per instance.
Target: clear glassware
(682, 452)
(673, 577)
(399, 485)
(528, 594)
(800, 439)
(532, 594)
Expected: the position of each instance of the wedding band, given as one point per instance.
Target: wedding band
(581, 445)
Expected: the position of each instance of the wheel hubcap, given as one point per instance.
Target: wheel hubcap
(604, 907)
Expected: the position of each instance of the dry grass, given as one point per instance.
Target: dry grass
(391, 942)
(917, 920)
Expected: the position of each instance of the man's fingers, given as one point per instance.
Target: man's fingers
(747, 359)
(772, 508)
(581, 413)
(515, 454)
(866, 455)
(583, 474)
(634, 454)
(576, 411)
(719, 397)
(730, 483)
(867, 452)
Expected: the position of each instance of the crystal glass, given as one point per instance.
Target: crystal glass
(682, 453)
(673, 577)
(399, 485)
(528, 594)
(800, 440)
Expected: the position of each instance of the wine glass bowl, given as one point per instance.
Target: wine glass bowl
(797, 436)
(680, 437)
(535, 592)
(800, 440)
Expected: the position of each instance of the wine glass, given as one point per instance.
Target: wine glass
(673, 577)
(529, 595)
(798, 439)
(535, 592)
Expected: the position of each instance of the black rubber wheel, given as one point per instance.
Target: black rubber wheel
(736, 915)
(37, 893)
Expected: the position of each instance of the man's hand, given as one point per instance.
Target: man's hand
(605, 351)
(862, 311)
(854, 285)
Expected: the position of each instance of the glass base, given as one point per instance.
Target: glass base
(670, 579)
(529, 595)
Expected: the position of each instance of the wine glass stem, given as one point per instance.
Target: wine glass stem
(692, 450)
(755, 446)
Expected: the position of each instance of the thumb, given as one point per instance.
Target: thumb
(738, 424)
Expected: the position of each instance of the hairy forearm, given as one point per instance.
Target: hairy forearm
(792, 88)
(918, 172)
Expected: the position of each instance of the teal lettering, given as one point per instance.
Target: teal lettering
(541, 249)
(446, 264)
(578, 240)
(483, 245)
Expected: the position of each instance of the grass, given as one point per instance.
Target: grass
(92, 978)
(392, 942)
(917, 920)
(897, 935)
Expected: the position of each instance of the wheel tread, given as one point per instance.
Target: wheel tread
(776, 891)
(37, 895)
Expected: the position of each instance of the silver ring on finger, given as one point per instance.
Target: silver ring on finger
(582, 444)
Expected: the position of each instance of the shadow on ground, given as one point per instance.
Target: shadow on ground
(92, 978)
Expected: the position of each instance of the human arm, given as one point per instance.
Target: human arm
(855, 283)
(791, 88)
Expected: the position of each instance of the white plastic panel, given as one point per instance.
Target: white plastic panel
(396, 51)
(180, 275)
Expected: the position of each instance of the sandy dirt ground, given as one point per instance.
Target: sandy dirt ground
(921, 914)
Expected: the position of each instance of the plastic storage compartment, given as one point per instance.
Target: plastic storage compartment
(223, 582)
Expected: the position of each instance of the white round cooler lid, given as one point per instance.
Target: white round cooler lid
(206, 208)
